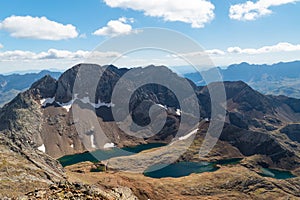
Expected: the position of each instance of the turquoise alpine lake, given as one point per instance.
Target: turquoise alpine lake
(180, 169)
(99, 155)
(274, 173)
(186, 168)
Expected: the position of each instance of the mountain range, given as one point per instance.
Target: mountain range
(39, 126)
(278, 79)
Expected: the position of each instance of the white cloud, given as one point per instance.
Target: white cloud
(234, 50)
(251, 11)
(116, 27)
(37, 28)
(16, 55)
(1, 46)
(28, 55)
(211, 52)
(194, 12)
(54, 54)
(125, 20)
(280, 47)
(61, 54)
(215, 52)
(18, 60)
(108, 54)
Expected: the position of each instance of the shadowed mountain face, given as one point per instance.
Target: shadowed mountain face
(276, 79)
(41, 122)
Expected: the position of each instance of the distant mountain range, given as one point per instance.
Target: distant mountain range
(276, 79)
(11, 85)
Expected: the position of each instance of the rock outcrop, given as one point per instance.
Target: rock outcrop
(66, 190)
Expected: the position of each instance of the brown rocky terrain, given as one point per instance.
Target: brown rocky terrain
(23, 167)
(229, 182)
(77, 190)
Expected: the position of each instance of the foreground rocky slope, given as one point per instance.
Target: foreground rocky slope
(76, 190)
(229, 182)
(23, 167)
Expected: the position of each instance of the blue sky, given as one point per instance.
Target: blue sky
(258, 31)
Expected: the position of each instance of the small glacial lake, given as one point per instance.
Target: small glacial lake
(180, 169)
(99, 155)
(278, 174)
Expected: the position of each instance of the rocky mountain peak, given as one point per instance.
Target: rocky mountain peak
(88, 76)
(45, 87)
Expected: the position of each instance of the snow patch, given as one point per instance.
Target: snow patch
(85, 100)
(109, 145)
(188, 135)
(67, 105)
(42, 148)
(46, 101)
(72, 146)
(99, 104)
(92, 141)
(178, 112)
(162, 106)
